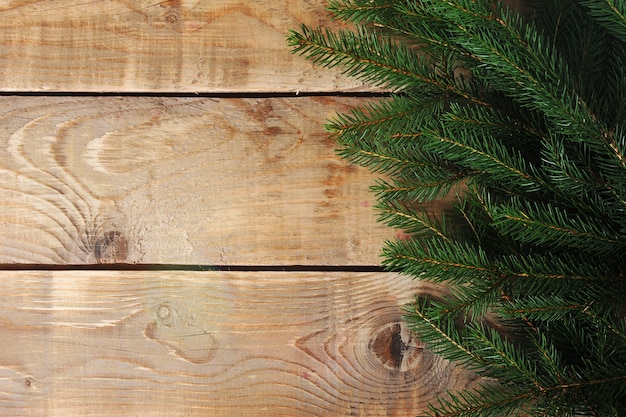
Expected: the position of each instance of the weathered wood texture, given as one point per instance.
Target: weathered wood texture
(173, 45)
(164, 180)
(181, 181)
(212, 344)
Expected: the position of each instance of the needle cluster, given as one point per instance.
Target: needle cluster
(519, 118)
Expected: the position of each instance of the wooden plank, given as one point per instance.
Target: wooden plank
(158, 343)
(181, 181)
(171, 45)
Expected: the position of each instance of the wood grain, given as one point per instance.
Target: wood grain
(181, 181)
(160, 46)
(158, 343)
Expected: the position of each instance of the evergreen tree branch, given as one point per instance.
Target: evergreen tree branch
(617, 331)
(361, 11)
(400, 113)
(559, 275)
(366, 56)
(546, 87)
(540, 224)
(507, 361)
(481, 154)
(549, 357)
(441, 335)
(486, 401)
(432, 184)
(401, 216)
(433, 260)
(525, 116)
(546, 308)
(475, 299)
(574, 174)
(610, 14)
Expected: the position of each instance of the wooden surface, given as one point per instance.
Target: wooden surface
(156, 46)
(180, 181)
(170, 183)
(159, 343)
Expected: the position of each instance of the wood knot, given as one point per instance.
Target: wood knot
(171, 18)
(111, 247)
(396, 347)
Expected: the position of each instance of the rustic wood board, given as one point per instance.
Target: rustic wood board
(160, 46)
(159, 343)
(181, 181)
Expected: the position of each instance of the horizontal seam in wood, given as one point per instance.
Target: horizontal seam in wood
(183, 267)
(243, 94)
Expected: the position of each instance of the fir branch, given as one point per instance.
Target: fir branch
(433, 260)
(558, 267)
(366, 56)
(549, 358)
(485, 401)
(546, 308)
(428, 29)
(619, 330)
(475, 299)
(360, 11)
(400, 113)
(479, 153)
(377, 162)
(414, 29)
(441, 335)
(431, 184)
(546, 224)
(600, 386)
(525, 115)
(383, 120)
(574, 172)
(506, 359)
(610, 14)
(546, 87)
(401, 216)
(493, 121)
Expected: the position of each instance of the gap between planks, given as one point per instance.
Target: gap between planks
(209, 95)
(193, 268)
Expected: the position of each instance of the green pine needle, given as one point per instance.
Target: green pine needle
(518, 121)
